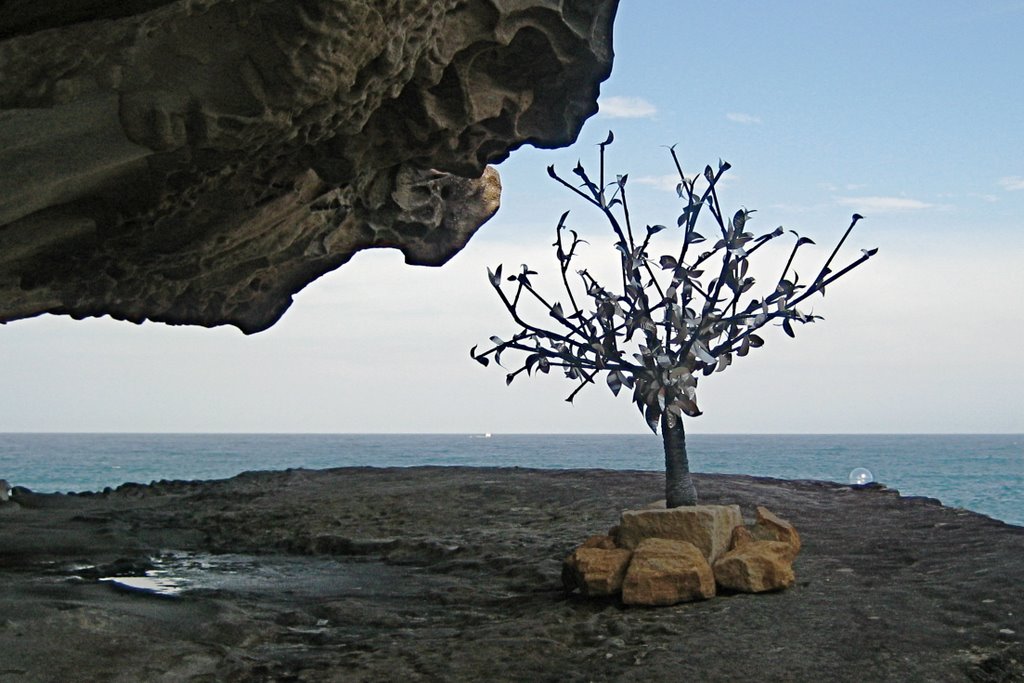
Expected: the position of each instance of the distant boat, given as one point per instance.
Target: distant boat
(487, 435)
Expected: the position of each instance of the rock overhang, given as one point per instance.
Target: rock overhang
(200, 162)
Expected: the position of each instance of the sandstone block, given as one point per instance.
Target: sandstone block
(741, 536)
(665, 572)
(599, 541)
(709, 527)
(771, 527)
(595, 571)
(756, 567)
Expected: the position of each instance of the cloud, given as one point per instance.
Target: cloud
(797, 208)
(883, 204)
(666, 182)
(745, 119)
(1012, 183)
(670, 181)
(627, 108)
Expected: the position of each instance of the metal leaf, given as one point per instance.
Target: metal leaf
(739, 220)
(615, 382)
(689, 407)
(788, 327)
(701, 352)
(744, 347)
(495, 277)
(680, 375)
(652, 414)
(668, 261)
(687, 210)
(531, 360)
(479, 359)
(755, 341)
(724, 361)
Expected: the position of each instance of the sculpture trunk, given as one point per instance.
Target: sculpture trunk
(679, 489)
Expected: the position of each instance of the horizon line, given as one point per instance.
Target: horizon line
(478, 433)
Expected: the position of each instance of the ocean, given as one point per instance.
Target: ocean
(984, 473)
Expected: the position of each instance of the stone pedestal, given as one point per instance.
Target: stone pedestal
(659, 556)
(709, 527)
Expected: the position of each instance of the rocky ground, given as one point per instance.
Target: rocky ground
(454, 574)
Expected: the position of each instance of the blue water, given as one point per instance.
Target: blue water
(984, 473)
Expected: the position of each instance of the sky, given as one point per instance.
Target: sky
(909, 113)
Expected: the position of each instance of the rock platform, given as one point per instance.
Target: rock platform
(455, 574)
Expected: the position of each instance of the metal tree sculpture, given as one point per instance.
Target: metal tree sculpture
(676, 317)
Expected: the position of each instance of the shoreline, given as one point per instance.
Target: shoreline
(157, 483)
(454, 573)
(975, 472)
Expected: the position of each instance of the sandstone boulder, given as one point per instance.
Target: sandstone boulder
(756, 566)
(770, 527)
(595, 571)
(741, 536)
(708, 527)
(665, 572)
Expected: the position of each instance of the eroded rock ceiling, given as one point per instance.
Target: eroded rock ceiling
(200, 161)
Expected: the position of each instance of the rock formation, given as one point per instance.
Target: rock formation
(663, 571)
(756, 566)
(596, 570)
(200, 161)
(659, 556)
(760, 558)
(709, 527)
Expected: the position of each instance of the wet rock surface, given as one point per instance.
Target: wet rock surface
(455, 574)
